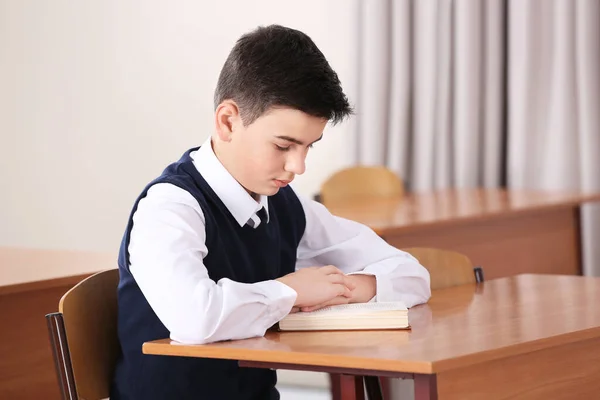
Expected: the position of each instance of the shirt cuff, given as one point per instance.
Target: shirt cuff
(281, 298)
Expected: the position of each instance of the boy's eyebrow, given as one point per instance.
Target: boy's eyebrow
(296, 141)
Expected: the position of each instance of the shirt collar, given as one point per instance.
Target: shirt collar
(237, 200)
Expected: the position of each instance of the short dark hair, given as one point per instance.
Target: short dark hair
(275, 66)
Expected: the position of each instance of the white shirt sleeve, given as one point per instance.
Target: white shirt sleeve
(355, 248)
(167, 248)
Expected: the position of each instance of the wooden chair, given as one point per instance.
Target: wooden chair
(361, 181)
(446, 268)
(83, 336)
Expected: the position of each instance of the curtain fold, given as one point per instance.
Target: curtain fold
(431, 91)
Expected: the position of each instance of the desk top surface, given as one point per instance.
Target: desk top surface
(448, 206)
(459, 326)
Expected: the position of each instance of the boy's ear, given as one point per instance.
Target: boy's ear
(227, 119)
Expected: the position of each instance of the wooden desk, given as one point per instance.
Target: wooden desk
(506, 232)
(522, 337)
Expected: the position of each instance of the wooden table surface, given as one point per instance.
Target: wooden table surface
(460, 326)
(446, 206)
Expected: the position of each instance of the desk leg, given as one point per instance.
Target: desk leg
(346, 383)
(426, 387)
(347, 387)
(336, 386)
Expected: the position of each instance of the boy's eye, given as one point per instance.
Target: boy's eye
(280, 148)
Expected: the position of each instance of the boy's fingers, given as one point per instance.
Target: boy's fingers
(349, 283)
(330, 269)
(343, 280)
(333, 302)
(343, 290)
(338, 300)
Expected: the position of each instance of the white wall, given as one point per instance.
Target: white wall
(97, 97)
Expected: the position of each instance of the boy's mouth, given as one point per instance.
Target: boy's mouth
(281, 183)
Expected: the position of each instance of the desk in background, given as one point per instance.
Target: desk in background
(506, 232)
(522, 337)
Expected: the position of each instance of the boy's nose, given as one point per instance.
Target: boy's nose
(295, 165)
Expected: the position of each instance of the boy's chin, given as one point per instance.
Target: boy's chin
(270, 191)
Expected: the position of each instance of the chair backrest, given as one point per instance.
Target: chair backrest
(361, 181)
(89, 311)
(446, 268)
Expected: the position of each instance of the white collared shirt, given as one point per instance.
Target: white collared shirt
(167, 248)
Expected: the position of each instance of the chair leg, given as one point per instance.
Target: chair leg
(62, 356)
(373, 387)
(478, 274)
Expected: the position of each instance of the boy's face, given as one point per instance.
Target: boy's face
(267, 154)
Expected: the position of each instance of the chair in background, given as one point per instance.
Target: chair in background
(83, 336)
(361, 181)
(446, 268)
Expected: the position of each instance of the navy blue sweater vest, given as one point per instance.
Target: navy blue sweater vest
(243, 254)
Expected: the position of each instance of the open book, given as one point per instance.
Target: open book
(386, 315)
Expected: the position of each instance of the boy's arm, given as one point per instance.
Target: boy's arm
(167, 248)
(356, 249)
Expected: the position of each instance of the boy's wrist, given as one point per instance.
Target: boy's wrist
(366, 287)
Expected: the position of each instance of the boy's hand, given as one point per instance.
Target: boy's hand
(365, 288)
(318, 285)
(336, 301)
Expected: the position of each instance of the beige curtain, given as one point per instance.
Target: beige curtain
(466, 93)
(431, 91)
(554, 104)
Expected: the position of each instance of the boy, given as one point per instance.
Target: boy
(219, 247)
